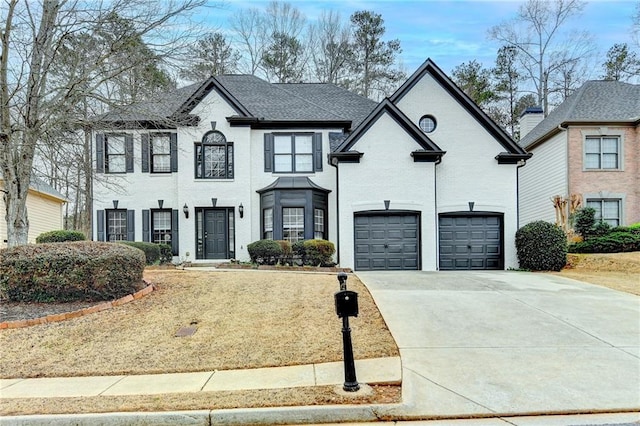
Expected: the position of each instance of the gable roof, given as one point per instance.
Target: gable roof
(256, 102)
(38, 185)
(429, 67)
(386, 106)
(597, 101)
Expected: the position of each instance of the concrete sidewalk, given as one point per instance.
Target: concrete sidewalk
(370, 371)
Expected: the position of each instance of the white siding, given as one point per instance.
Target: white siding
(386, 172)
(543, 177)
(469, 170)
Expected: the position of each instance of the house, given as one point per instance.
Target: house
(422, 180)
(586, 152)
(44, 209)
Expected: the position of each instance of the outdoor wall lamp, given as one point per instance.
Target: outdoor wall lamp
(241, 210)
(185, 210)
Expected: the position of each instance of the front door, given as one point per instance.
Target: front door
(215, 234)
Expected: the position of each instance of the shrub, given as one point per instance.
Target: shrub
(287, 253)
(315, 252)
(60, 236)
(614, 242)
(541, 246)
(584, 220)
(264, 252)
(72, 271)
(151, 250)
(166, 254)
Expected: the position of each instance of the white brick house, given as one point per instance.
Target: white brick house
(216, 166)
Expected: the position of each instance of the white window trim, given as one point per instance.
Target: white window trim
(605, 195)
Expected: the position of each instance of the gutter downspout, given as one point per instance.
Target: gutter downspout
(333, 161)
(435, 206)
(521, 164)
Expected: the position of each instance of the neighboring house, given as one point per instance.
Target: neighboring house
(423, 180)
(587, 152)
(44, 210)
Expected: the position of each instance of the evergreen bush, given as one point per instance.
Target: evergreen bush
(264, 252)
(584, 220)
(315, 252)
(60, 236)
(70, 271)
(151, 250)
(615, 241)
(541, 246)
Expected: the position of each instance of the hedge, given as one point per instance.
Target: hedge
(615, 241)
(71, 271)
(541, 246)
(265, 252)
(315, 252)
(60, 236)
(154, 253)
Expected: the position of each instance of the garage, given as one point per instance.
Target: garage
(387, 241)
(470, 241)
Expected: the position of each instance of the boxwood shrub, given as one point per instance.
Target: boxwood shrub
(265, 252)
(60, 236)
(71, 271)
(153, 253)
(541, 246)
(315, 252)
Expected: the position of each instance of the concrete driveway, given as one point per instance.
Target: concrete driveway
(494, 343)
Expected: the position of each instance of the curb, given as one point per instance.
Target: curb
(79, 313)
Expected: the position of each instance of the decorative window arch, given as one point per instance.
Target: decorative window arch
(214, 156)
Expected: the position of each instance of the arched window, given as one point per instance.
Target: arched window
(214, 157)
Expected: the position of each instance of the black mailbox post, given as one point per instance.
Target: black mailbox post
(347, 306)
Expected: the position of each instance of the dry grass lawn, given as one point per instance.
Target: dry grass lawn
(244, 319)
(618, 271)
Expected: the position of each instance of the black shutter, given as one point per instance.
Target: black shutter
(268, 152)
(131, 225)
(128, 143)
(145, 153)
(146, 221)
(175, 244)
(317, 152)
(173, 146)
(100, 153)
(100, 223)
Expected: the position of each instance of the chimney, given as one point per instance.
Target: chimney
(530, 119)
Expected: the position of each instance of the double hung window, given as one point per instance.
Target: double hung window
(293, 224)
(214, 157)
(115, 154)
(161, 226)
(267, 224)
(318, 224)
(293, 153)
(607, 210)
(602, 153)
(160, 153)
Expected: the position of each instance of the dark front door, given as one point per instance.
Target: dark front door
(215, 234)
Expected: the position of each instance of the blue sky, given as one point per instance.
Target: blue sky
(453, 32)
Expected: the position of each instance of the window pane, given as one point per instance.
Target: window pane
(610, 145)
(610, 209)
(161, 163)
(592, 161)
(160, 145)
(282, 144)
(214, 161)
(609, 161)
(318, 224)
(115, 145)
(116, 164)
(293, 224)
(230, 161)
(282, 163)
(597, 206)
(267, 221)
(304, 163)
(304, 144)
(592, 145)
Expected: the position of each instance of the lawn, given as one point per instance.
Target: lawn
(243, 319)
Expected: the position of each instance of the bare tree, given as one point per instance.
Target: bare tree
(32, 41)
(331, 48)
(251, 35)
(545, 55)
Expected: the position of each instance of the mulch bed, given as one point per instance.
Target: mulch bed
(15, 311)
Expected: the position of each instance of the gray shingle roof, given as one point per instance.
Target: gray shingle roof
(264, 100)
(39, 185)
(596, 101)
